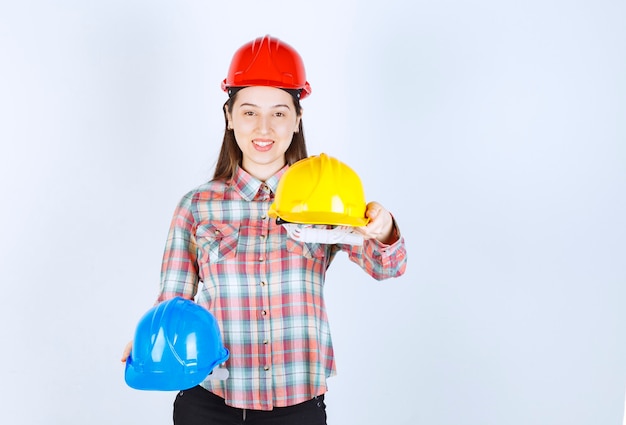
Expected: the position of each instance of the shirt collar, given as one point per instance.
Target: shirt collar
(248, 186)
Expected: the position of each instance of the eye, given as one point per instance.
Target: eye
(279, 114)
(248, 113)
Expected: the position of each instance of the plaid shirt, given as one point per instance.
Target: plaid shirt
(264, 289)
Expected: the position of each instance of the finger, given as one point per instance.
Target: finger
(373, 209)
(127, 351)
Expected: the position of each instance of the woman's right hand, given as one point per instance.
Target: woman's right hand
(126, 352)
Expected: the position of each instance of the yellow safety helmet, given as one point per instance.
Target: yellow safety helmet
(320, 190)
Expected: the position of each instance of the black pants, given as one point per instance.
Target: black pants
(198, 406)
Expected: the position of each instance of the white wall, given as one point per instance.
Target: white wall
(494, 130)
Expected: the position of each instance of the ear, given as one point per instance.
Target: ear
(298, 121)
(229, 120)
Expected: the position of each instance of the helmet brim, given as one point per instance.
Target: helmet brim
(320, 217)
(168, 378)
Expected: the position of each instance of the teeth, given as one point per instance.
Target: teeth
(262, 143)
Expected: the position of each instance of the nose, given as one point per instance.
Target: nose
(264, 124)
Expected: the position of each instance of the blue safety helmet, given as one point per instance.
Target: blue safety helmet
(177, 345)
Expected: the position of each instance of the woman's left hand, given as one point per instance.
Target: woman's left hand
(380, 225)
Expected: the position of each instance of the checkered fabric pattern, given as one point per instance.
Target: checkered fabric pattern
(264, 289)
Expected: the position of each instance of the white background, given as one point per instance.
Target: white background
(494, 130)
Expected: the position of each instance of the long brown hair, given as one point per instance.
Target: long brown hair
(230, 155)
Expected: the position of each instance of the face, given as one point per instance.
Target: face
(264, 120)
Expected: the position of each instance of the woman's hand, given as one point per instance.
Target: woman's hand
(126, 352)
(380, 225)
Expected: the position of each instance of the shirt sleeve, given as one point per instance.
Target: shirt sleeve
(179, 269)
(379, 260)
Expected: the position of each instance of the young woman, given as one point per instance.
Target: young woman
(224, 252)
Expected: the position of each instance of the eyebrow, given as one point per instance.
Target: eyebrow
(280, 105)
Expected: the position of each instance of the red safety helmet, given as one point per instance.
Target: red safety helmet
(267, 61)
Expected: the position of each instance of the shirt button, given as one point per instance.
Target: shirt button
(263, 217)
(262, 283)
(266, 368)
(261, 259)
(264, 313)
(265, 342)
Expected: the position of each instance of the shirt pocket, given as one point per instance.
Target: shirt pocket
(312, 251)
(216, 242)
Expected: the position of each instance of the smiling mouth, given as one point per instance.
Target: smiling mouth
(262, 143)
